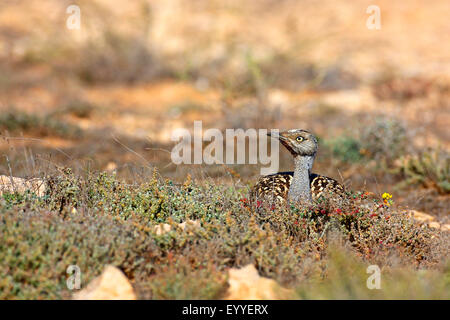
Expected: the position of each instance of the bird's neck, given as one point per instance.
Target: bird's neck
(300, 189)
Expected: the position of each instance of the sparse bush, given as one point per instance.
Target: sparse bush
(385, 140)
(345, 148)
(119, 58)
(178, 278)
(430, 168)
(15, 121)
(406, 88)
(79, 108)
(346, 278)
(37, 246)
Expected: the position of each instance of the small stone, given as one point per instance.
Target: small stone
(194, 223)
(162, 228)
(13, 184)
(428, 219)
(111, 166)
(112, 284)
(246, 284)
(435, 225)
(421, 216)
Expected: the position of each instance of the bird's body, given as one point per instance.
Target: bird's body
(275, 187)
(300, 185)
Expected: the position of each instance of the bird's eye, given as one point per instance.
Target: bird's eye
(299, 139)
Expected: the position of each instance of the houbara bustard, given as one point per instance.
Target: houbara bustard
(299, 185)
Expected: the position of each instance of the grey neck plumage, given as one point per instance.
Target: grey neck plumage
(300, 189)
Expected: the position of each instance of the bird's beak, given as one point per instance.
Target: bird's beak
(276, 135)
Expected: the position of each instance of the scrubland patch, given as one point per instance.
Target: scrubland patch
(98, 219)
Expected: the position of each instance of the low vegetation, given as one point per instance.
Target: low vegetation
(430, 168)
(97, 219)
(15, 121)
(384, 140)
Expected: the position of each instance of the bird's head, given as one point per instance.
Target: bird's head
(298, 142)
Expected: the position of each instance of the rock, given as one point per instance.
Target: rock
(112, 284)
(246, 284)
(428, 219)
(12, 184)
(193, 223)
(164, 227)
(421, 216)
(111, 166)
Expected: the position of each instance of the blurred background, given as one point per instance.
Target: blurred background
(109, 95)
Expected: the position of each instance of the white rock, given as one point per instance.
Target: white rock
(12, 184)
(246, 284)
(112, 284)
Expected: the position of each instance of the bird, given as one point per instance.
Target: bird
(300, 185)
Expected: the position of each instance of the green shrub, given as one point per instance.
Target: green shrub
(16, 121)
(385, 140)
(346, 278)
(97, 220)
(430, 168)
(36, 247)
(179, 279)
(345, 148)
(78, 108)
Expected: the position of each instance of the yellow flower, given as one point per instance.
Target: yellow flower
(387, 199)
(387, 196)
